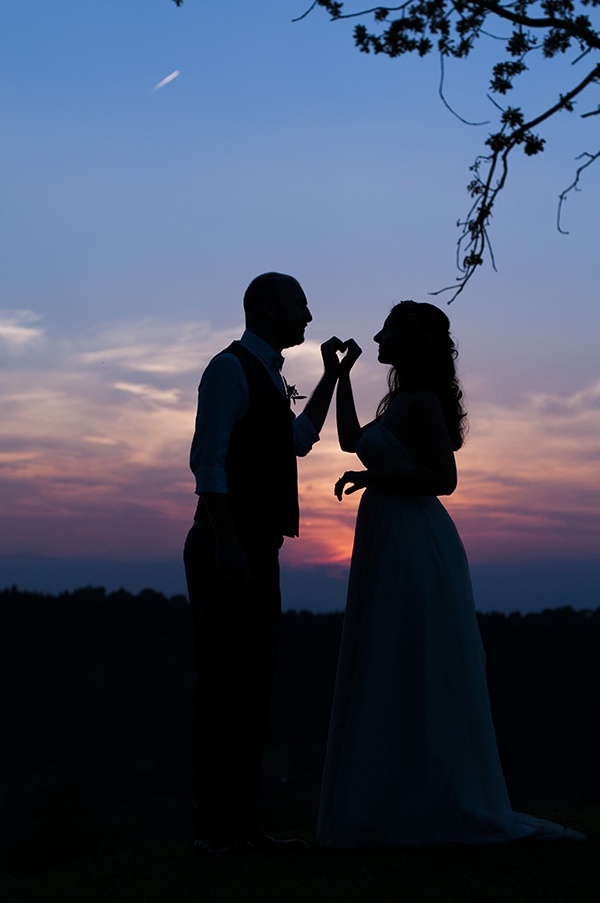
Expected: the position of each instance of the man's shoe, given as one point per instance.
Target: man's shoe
(221, 845)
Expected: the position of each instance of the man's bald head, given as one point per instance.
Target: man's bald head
(268, 287)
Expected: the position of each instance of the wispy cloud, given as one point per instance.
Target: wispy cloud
(151, 393)
(529, 483)
(156, 347)
(18, 329)
(530, 478)
(95, 433)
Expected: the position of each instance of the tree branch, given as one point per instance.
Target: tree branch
(474, 238)
(570, 26)
(574, 185)
(565, 101)
(361, 12)
(454, 26)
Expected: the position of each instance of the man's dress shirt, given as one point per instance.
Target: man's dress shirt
(223, 398)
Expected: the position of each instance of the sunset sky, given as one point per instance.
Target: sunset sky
(135, 213)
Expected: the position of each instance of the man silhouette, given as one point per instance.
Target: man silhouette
(244, 459)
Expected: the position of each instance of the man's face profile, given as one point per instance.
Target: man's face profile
(292, 313)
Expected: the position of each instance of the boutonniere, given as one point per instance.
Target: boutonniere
(292, 393)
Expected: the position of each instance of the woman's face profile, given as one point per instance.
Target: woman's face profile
(388, 339)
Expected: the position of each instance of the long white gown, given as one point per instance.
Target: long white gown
(412, 756)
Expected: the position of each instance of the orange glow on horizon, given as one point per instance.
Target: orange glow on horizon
(94, 461)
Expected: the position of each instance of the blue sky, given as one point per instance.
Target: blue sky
(133, 219)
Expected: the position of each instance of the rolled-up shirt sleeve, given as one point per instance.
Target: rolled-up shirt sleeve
(305, 435)
(222, 401)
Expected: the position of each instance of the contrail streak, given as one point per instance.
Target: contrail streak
(166, 80)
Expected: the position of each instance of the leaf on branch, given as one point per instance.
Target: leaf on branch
(520, 43)
(361, 38)
(583, 23)
(513, 117)
(497, 142)
(334, 9)
(556, 41)
(533, 144)
(472, 260)
(504, 73)
(566, 104)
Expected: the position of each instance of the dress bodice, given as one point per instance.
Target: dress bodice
(379, 449)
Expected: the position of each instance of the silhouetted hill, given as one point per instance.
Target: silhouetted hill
(98, 693)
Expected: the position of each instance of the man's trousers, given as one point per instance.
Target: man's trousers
(236, 638)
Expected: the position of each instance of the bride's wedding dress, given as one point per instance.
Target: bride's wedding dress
(412, 756)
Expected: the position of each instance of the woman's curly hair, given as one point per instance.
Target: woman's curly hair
(426, 359)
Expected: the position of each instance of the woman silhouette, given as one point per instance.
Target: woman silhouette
(412, 756)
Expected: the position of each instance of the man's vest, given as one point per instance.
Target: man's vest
(262, 475)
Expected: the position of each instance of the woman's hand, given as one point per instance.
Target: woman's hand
(353, 352)
(358, 478)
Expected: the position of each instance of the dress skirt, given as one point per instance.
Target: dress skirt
(412, 755)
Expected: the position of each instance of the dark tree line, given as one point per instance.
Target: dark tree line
(97, 695)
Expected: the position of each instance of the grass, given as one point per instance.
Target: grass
(523, 872)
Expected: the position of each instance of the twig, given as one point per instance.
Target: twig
(445, 102)
(305, 14)
(573, 186)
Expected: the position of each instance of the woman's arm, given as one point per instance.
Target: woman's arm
(434, 468)
(411, 481)
(348, 427)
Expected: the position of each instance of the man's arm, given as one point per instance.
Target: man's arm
(222, 397)
(318, 404)
(230, 556)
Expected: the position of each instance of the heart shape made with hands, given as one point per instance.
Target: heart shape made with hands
(342, 349)
(349, 349)
(336, 345)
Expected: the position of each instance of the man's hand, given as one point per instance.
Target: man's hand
(358, 478)
(353, 352)
(329, 350)
(232, 564)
